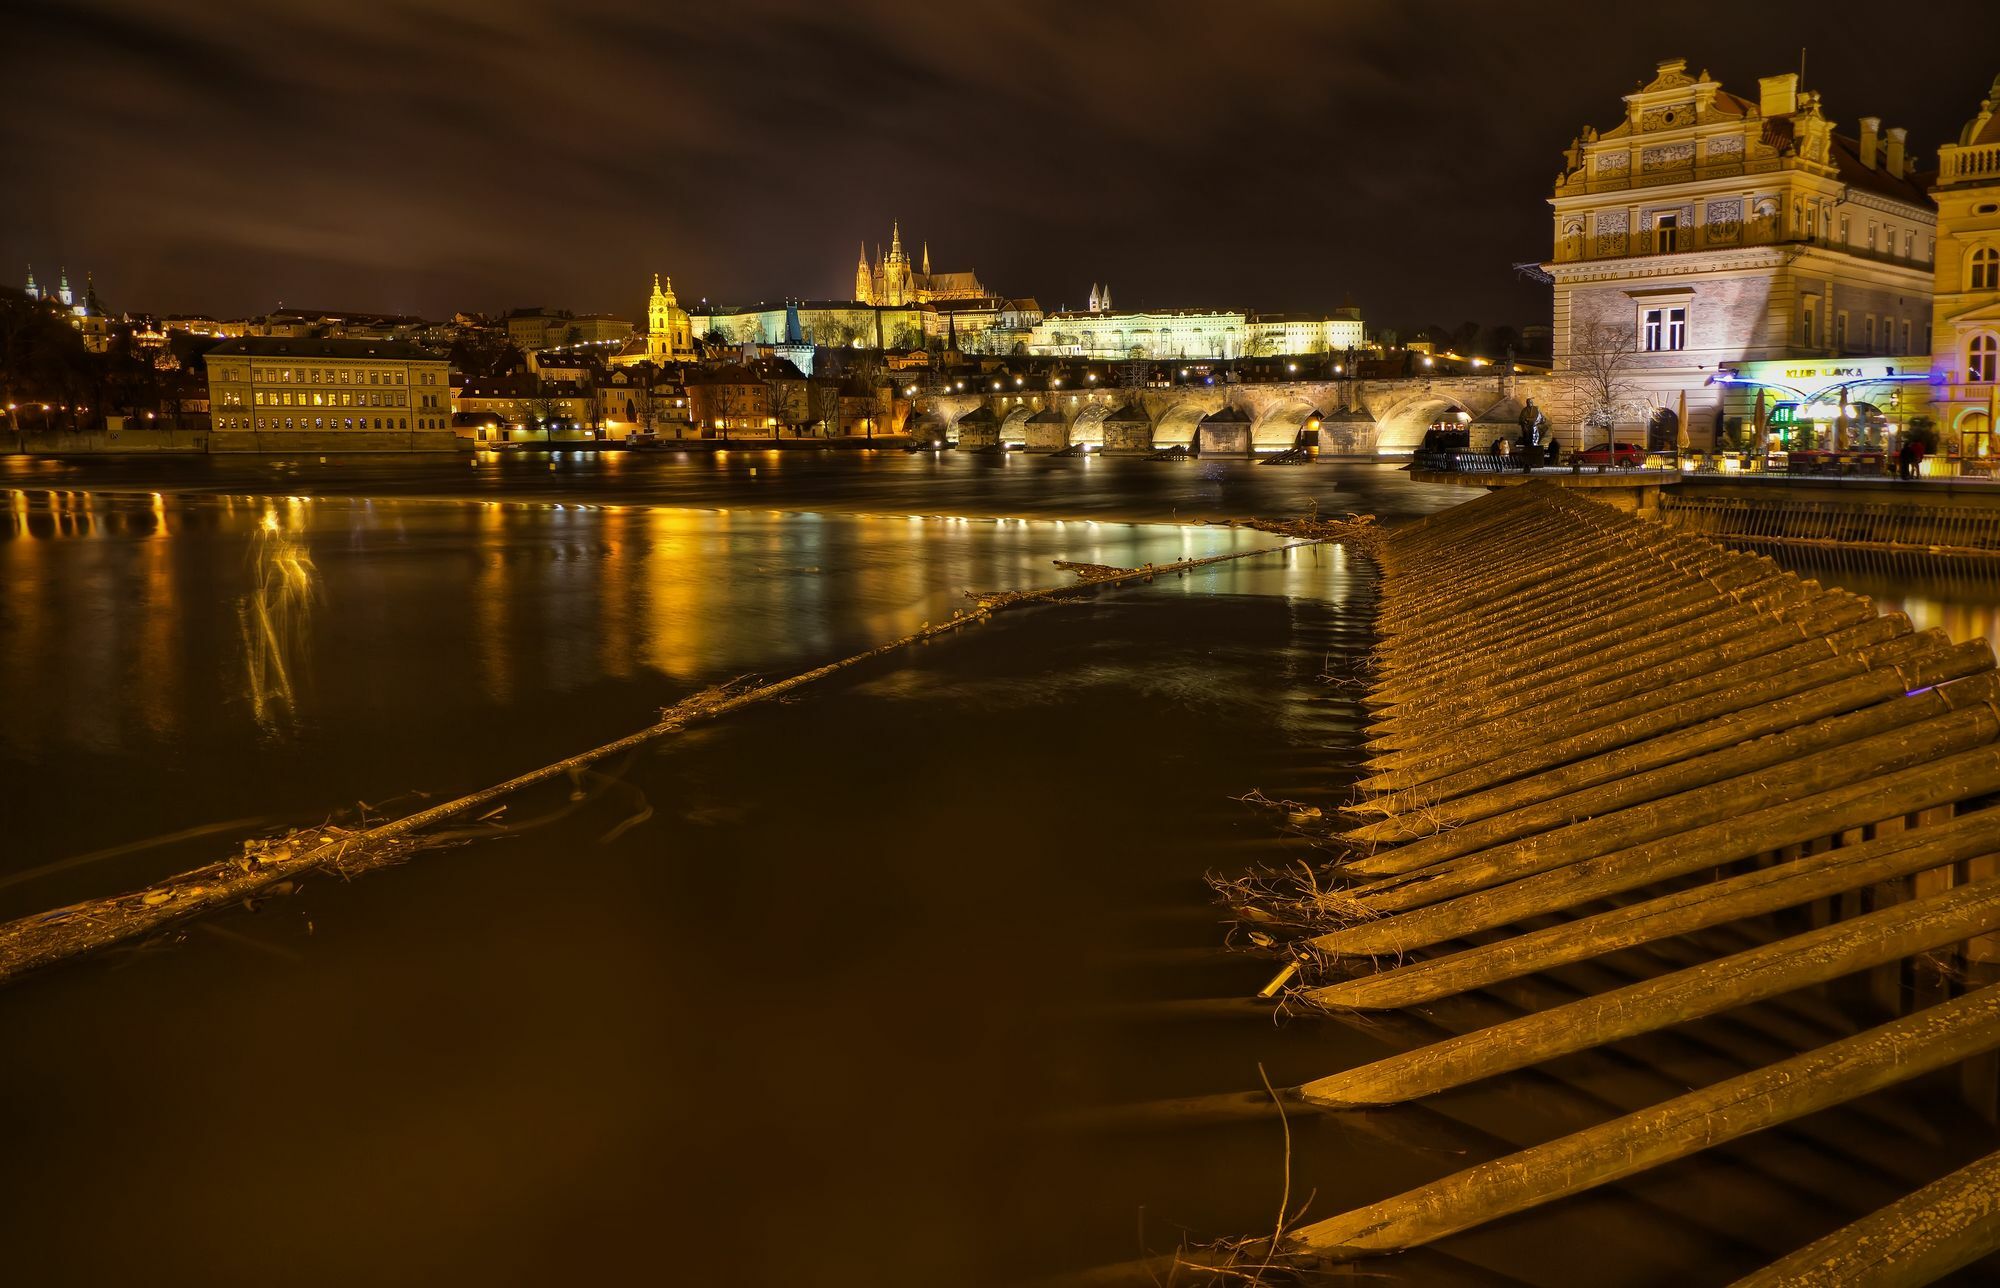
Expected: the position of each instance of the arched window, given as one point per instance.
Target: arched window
(1982, 358)
(1985, 275)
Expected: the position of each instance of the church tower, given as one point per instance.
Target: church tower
(34, 292)
(62, 289)
(669, 334)
(896, 270)
(864, 282)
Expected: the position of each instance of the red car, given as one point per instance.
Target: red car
(1617, 455)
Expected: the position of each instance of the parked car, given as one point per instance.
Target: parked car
(1618, 455)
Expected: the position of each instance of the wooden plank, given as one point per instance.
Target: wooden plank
(1752, 894)
(1719, 985)
(1834, 1074)
(1945, 1226)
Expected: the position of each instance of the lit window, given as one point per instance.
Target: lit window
(1985, 275)
(1664, 329)
(1982, 357)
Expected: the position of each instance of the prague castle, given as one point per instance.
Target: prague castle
(894, 282)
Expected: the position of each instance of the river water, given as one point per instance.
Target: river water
(884, 985)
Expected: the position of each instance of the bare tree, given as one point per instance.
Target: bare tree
(1597, 377)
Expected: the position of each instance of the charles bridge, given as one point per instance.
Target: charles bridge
(1352, 417)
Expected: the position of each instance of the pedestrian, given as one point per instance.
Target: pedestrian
(1917, 448)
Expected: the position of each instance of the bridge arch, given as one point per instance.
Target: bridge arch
(1177, 428)
(1014, 425)
(1401, 427)
(1281, 424)
(1088, 427)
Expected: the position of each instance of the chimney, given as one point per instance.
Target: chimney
(1778, 95)
(1898, 162)
(1871, 134)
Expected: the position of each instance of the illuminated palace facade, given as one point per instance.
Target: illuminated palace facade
(1707, 231)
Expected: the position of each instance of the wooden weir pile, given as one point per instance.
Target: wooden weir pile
(1592, 734)
(1899, 527)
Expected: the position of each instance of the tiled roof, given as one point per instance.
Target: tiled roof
(1847, 162)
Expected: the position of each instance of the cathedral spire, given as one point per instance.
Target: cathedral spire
(927, 259)
(34, 291)
(895, 240)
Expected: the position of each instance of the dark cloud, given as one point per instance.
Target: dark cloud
(426, 155)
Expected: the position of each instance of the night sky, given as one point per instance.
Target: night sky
(432, 155)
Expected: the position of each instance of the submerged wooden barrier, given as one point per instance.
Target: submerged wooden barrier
(1904, 526)
(1592, 735)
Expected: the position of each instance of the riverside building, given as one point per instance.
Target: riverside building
(276, 394)
(1706, 228)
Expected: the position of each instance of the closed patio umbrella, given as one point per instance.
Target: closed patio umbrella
(1681, 440)
(1840, 425)
(1763, 443)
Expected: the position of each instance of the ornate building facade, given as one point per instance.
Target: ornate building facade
(1965, 311)
(1707, 229)
(893, 281)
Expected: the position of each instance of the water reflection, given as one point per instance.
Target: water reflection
(1962, 596)
(274, 620)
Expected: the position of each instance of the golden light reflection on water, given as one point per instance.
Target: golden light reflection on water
(274, 620)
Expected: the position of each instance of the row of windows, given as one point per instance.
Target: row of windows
(1667, 231)
(329, 422)
(287, 398)
(1875, 337)
(336, 376)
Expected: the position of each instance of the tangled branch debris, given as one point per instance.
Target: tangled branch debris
(44, 938)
